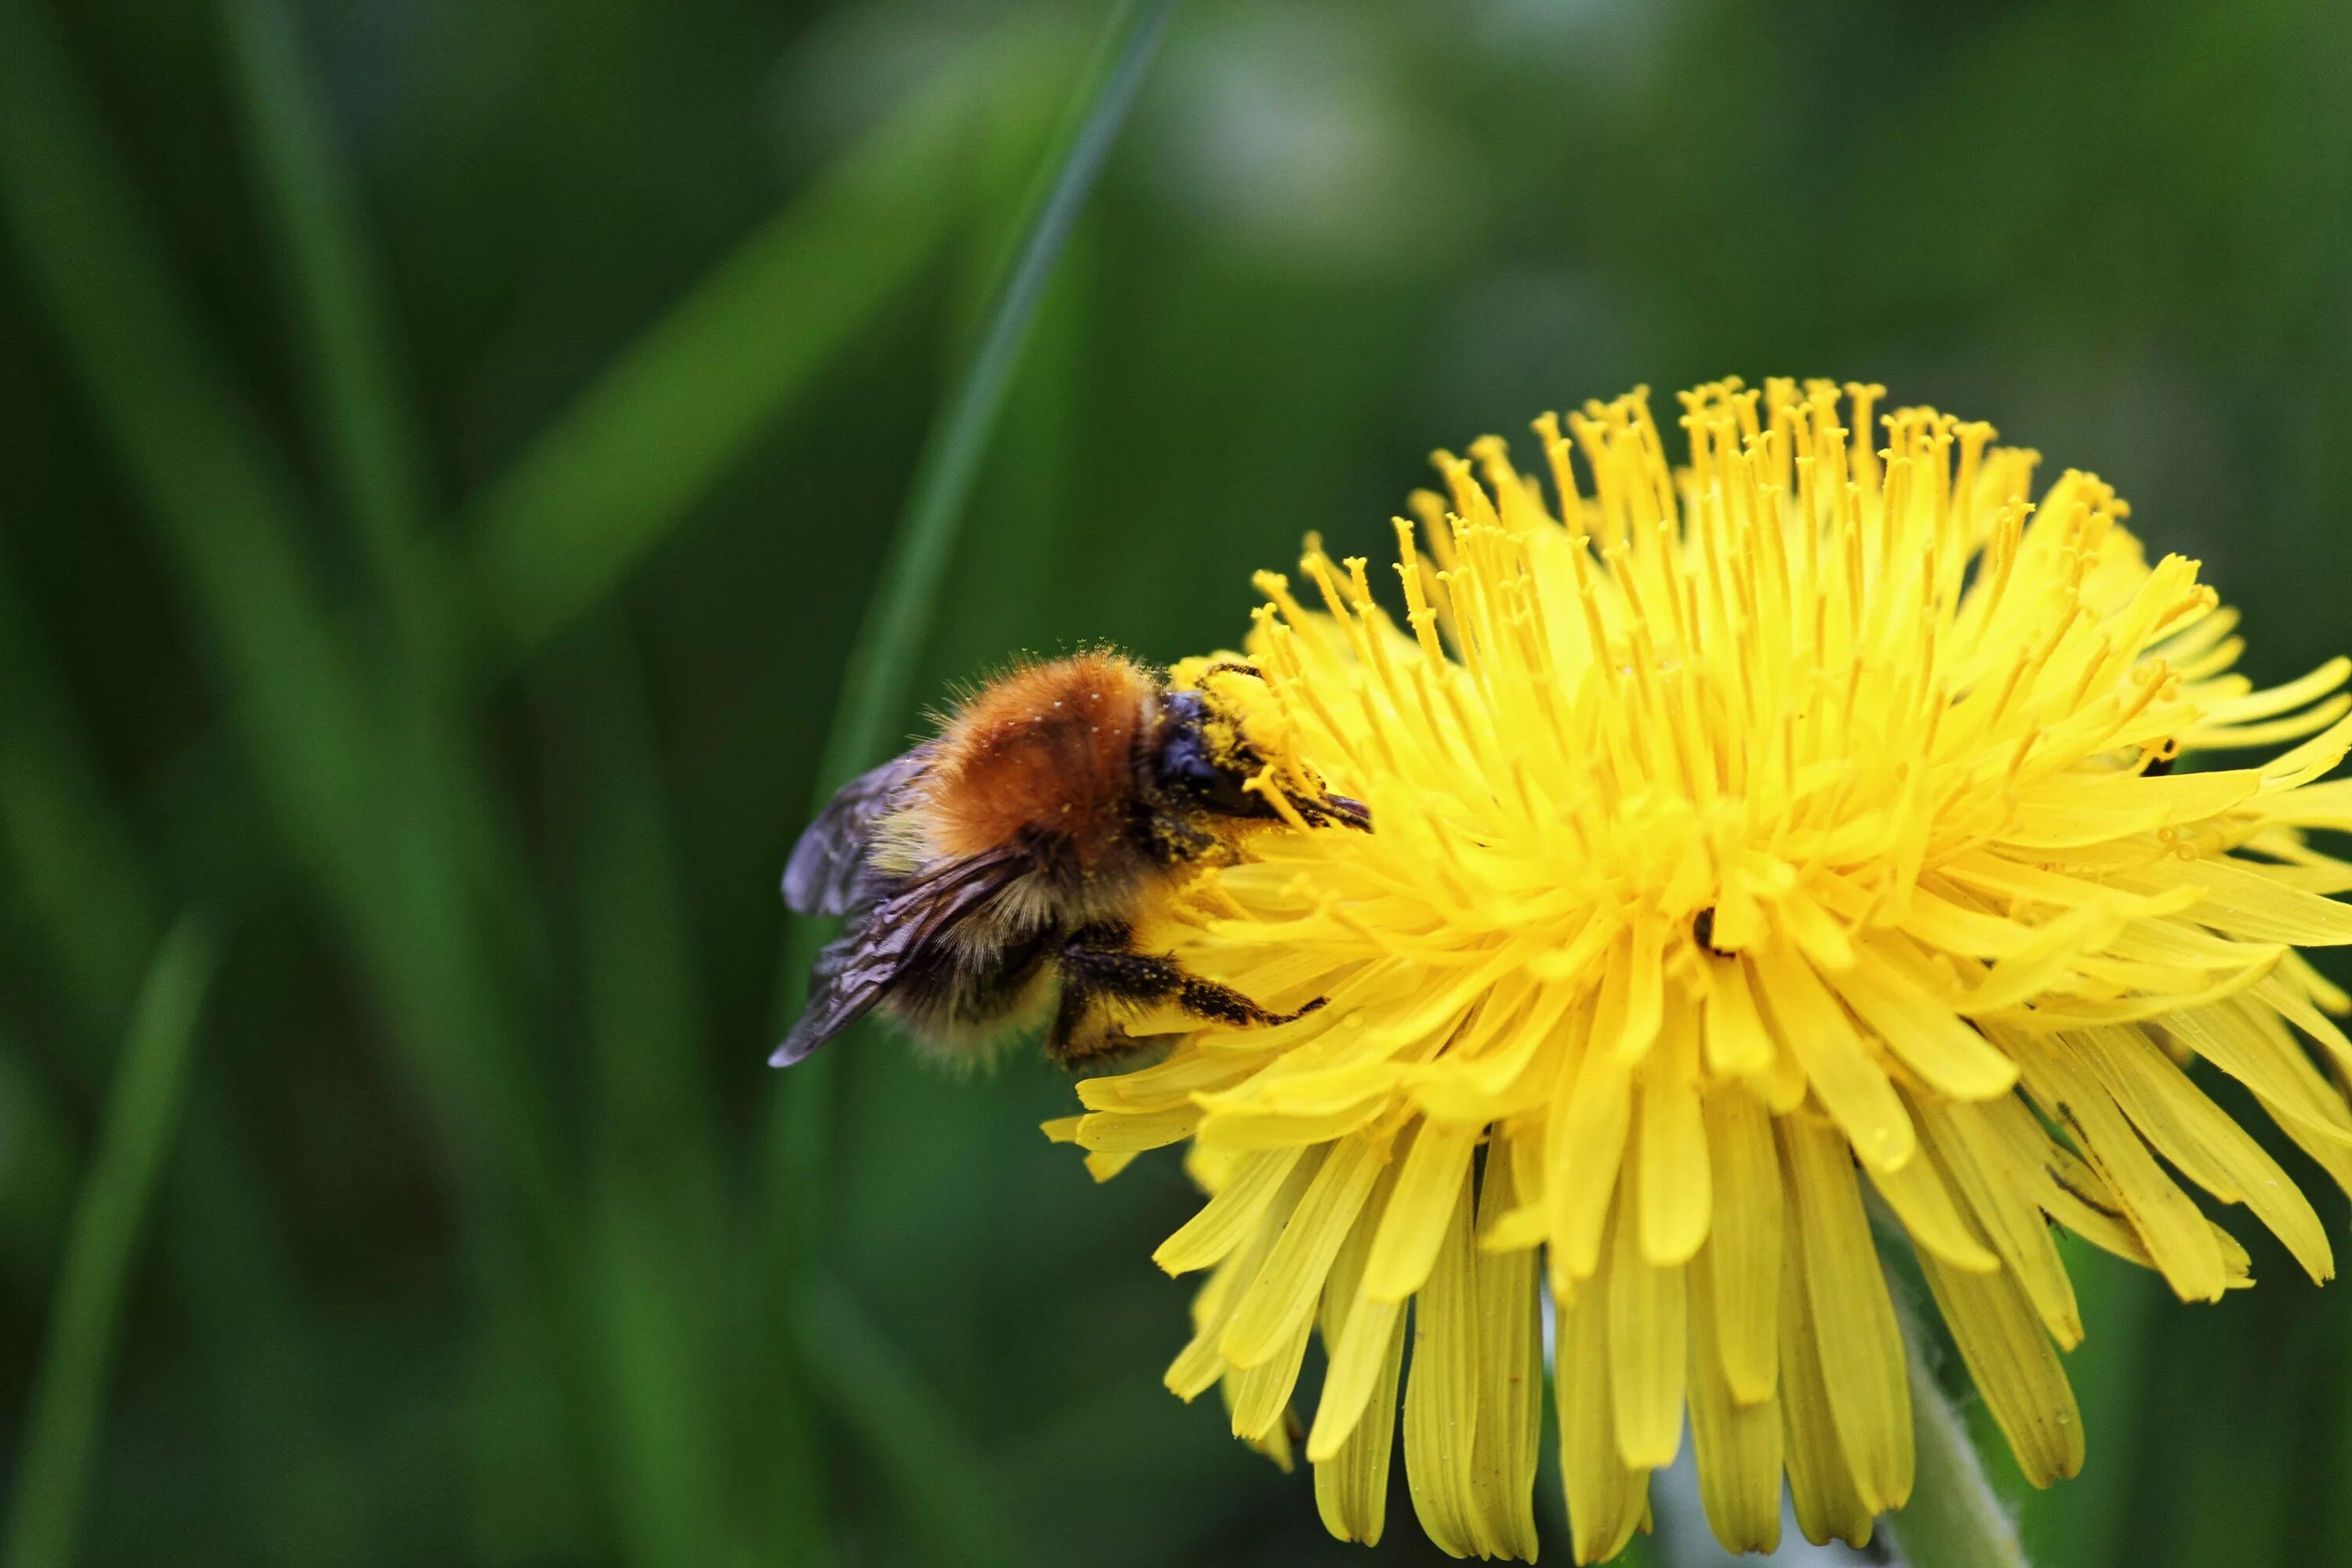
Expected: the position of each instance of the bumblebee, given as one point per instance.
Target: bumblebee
(1020, 846)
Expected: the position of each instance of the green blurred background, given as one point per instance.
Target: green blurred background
(445, 451)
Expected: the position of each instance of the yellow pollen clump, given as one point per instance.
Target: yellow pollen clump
(1750, 836)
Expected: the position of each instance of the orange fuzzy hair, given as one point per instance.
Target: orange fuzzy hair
(1049, 748)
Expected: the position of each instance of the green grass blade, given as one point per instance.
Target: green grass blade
(339, 315)
(614, 475)
(877, 688)
(70, 1389)
(365, 807)
(221, 503)
(73, 862)
(946, 1491)
(658, 1207)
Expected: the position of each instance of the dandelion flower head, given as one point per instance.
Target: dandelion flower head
(1758, 844)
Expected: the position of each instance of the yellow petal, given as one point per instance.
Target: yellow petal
(1736, 1042)
(1260, 1395)
(1606, 1502)
(1173, 1082)
(1737, 1445)
(1860, 1347)
(1646, 1354)
(2202, 1142)
(1951, 1136)
(2070, 809)
(1200, 1365)
(2251, 1046)
(2289, 770)
(2239, 900)
(1440, 1401)
(2284, 698)
(1920, 1200)
(1229, 1217)
(2176, 1235)
(1941, 922)
(1510, 1336)
(1355, 1421)
(2293, 1005)
(1280, 1304)
(1103, 1166)
(1351, 1485)
(1821, 1485)
(1926, 1035)
(1815, 1029)
(1587, 1140)
(2015, 1368)
(2244, 737)
(1632, 993)
(1422, 1205)
(1120, 1133)
(1744, 1241)
(1673, 1158)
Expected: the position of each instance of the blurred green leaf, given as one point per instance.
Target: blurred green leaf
(654, 1179)
(616, 473)
(948, 1494)
(366, 807)
(223, 509)
(877, 689)
(69, 1391)
(1641, 1552)
(339, 322)
(75, 865)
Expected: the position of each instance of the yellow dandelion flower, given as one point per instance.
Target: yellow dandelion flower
(1756, 843)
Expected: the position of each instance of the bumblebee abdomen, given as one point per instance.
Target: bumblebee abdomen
(1048, 753)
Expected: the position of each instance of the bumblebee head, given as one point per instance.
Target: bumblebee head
(1220, 728)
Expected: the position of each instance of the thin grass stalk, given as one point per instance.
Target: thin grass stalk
(69, 1387)
(877, 684)
(656, 1208)
(615, 474)
(76, 866)
(338, 320)
(221, 503)
(366, 815)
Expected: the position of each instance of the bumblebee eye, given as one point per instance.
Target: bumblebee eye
(1184, 767)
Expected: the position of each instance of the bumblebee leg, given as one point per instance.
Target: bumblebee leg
(1099, 964)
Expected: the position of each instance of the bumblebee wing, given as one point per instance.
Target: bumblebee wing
(844, 984)
(858, 968)
(829, 861)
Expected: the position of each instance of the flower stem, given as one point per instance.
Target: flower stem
(1953, 1520)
